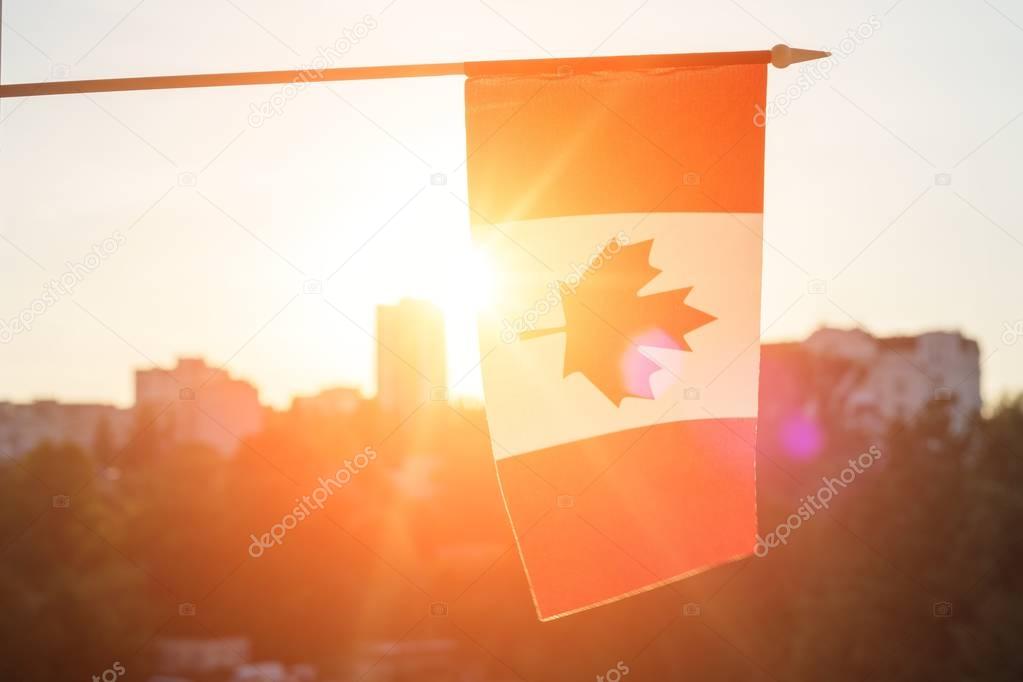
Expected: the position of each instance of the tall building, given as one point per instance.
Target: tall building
(411, 363)
(196, 403)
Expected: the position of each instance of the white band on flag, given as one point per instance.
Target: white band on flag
(532, 405)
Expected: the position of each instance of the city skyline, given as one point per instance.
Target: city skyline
(399, 371)
(880, 381)
(371, 391)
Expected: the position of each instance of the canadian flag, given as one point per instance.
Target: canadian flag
(623, 210)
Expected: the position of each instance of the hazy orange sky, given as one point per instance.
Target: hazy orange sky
(223, 221)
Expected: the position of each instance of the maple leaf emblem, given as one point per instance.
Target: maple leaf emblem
(606, 321)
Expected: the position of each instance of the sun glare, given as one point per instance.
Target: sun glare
(462, 284)
(467, 285)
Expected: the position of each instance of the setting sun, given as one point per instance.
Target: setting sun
(467, 285)
(463, 284)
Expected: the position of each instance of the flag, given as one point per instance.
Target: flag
(622, 211)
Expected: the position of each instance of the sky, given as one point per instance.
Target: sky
(892, 178)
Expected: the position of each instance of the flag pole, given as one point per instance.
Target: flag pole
(780, 56)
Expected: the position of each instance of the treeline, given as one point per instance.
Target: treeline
(911, 572)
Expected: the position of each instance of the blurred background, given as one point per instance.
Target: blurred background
(208, 307)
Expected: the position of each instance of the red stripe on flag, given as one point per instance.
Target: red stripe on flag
(606, 517)
(683, 139)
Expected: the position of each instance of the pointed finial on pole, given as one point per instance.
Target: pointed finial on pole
(783, 55)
